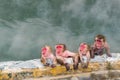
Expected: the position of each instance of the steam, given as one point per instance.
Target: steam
(98, 17)
(29, 37)
(71, 22)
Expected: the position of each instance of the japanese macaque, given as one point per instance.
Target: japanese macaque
(84, 54)
(100, 46)
(47, 58)
(64, 57)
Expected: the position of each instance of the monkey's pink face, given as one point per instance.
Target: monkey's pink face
(44, 51)
(82, 47)
(59, 49)
(99, 42)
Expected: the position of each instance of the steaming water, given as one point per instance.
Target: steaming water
(27, 25)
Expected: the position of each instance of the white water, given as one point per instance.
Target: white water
(104, 58)
(18, 65)
(35, 63)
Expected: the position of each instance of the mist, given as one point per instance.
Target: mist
(26, 26)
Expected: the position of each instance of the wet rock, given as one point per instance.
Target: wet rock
(74, 78)
(110, 70)
(105, 75)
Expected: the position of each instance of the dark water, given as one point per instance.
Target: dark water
(27, 25)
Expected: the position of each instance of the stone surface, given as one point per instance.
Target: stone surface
(97, 70)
